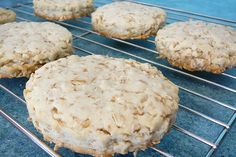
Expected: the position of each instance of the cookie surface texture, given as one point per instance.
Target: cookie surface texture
(7, 15)
(126, 20)
(101, 105)
(62, 9)
(198, 46)
(26, 46)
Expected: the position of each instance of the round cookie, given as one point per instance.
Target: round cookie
(99, 105)
(126, 20)
(7, 16)
(62, 9)
(198, 46)
(26, 46)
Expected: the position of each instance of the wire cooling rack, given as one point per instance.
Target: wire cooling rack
(207, 101)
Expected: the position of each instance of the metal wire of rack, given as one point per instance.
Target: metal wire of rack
(82, 33)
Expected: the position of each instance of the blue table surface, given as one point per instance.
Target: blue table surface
(14, 143)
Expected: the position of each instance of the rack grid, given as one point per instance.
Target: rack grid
(204, 116)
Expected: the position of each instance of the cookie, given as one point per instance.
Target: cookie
(126, 20)
(99, 105)
(26, 46)
(62, 9)
(198, 46)
(7, 16)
